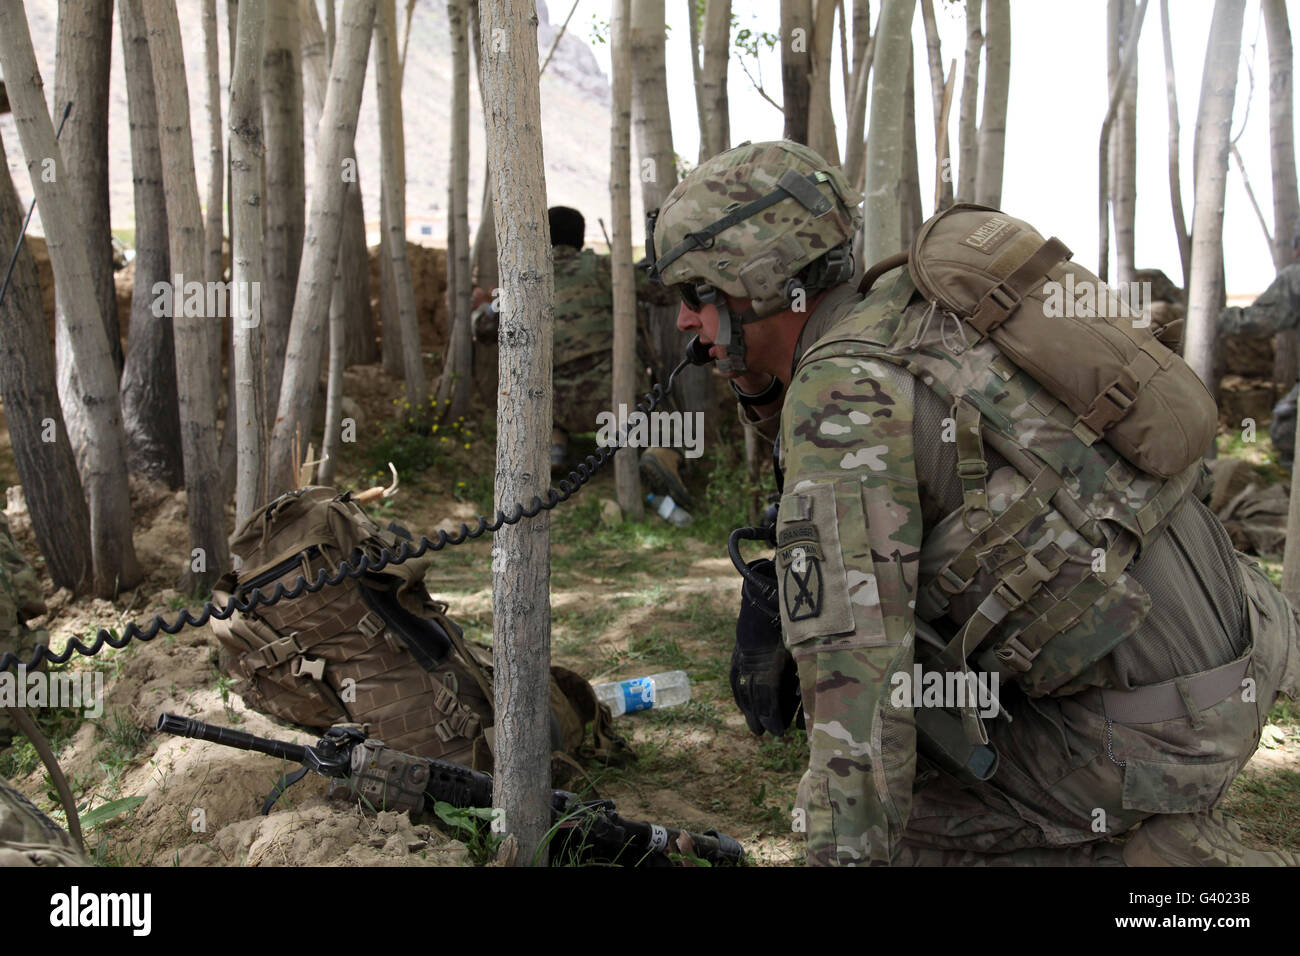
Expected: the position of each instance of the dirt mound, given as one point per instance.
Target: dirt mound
(429, 276)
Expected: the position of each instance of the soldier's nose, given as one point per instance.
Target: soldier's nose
(687, 320)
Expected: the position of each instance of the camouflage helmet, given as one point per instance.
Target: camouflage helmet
(750, 219)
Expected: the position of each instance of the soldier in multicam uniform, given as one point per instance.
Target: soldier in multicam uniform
(1151, 732)
(583, 340)
(27, 836)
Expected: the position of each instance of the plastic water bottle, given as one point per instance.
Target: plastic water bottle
(669, 510)
(642, 693)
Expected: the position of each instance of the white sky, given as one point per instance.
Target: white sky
(1058, 100)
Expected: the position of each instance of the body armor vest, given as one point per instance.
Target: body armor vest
(1030, 570)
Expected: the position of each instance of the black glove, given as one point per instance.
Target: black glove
(764, 679)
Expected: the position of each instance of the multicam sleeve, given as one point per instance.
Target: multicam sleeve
(848, 541)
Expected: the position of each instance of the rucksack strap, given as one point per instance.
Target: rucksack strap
(1001, 301)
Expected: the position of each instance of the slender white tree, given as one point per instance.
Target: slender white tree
(321, 246)
(521, 566)
(198, 336)
(455, 387)
(246, 262)
(101, 448)
(1213, 133)
(886, 134)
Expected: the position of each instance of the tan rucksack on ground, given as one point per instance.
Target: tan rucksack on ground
(377, 650)
(30, 838)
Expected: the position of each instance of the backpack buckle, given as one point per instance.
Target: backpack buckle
(370, 624)
(313, 667)
(1016, 655)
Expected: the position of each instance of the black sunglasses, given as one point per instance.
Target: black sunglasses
(690, 293)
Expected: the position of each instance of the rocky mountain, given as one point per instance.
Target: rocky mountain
(575, 120)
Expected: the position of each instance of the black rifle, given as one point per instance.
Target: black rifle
(590, 830)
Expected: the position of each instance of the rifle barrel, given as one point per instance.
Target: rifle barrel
(227, 737)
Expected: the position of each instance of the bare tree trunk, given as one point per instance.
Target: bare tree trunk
(937, 87)
(248, 415)
(101, 449)
(861, 37)
(1286, 226)
(911, 216)
(212, 236)
(967, 140)
(394, 355)
(521, 610)
(330, 27)
(885, 151)
(1175, 188)
(855, 146)
(1108, 183)
(1219, 90)
(1126, 157)
(485, 239)
(715, 133)
(626, 477)
(458, 369)
(232, 19)
(351, 294)
(654, 136)
(1286, 203)
(697, 73)
(198, 337)
(321, 245)
(1281, 134)
(150, 410)
(821, 122)
(391, 139)
(993, 116)
(333, 428)
(214, 262)
(81, 72)
(796, 67)
(650, 112)
(282, 100)
(42, 452)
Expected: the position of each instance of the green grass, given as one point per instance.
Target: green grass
(1267, 805)
(785, 754)
(1261, 454)
(57, 724)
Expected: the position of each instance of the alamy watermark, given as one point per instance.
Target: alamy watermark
(1086, 299)
(951, 689)
(638, 429)
(84, 689)
(77, 909)
(241, 301)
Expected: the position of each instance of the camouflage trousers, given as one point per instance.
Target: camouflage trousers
(1070, 779)
(584, 389)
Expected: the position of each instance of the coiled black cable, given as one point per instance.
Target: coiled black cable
(365, 564)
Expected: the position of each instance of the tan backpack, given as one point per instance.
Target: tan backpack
(1102, 428)
(1041, 310)
(376, 649)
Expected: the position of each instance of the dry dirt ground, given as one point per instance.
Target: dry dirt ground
(627, 600)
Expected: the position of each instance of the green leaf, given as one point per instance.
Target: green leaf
(461, 817)
(110, 811)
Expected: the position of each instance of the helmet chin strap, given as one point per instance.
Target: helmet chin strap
(735, 359)
(731, 335)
